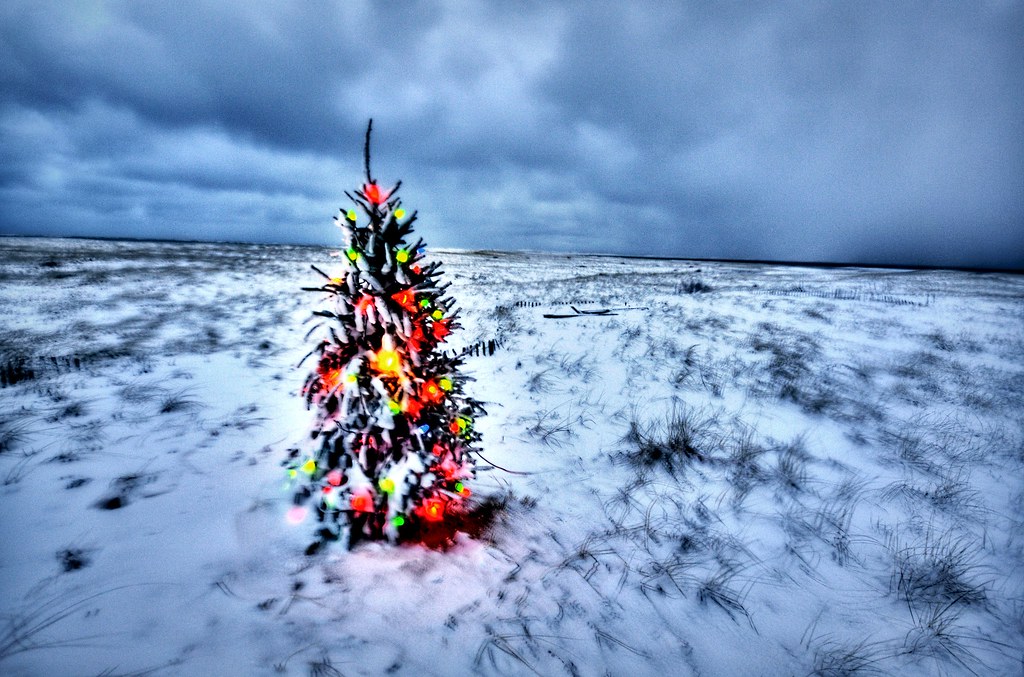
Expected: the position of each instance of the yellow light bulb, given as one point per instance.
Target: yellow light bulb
(388, 361)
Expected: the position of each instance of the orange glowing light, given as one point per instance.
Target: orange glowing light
(331, 379)
(431, 392)
(433, 509)
(362, 502)
(406, 299)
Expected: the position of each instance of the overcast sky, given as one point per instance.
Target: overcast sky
(887, 132)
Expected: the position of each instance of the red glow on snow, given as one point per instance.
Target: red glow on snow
(412, 407)
(331, 379)
(364, 302)
(334, 478)
(362, 502)
(296, 514)
(450, 469)
(374, 194)
(438, 450)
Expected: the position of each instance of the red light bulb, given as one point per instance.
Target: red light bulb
(374, 194)
(441, 330)
(406, 299)
(412, 407)
(362, 502)
(433, 509)
(431, 392)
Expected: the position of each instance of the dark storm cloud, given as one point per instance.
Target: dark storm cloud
(885, 132)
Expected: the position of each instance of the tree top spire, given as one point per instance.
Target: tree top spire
(366, 152)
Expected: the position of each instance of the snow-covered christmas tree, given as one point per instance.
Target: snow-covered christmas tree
(390, 450)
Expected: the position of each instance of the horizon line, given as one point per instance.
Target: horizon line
(776, 262)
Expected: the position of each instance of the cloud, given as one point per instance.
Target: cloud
(880, 132)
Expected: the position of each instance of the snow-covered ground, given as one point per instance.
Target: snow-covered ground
(742, 470)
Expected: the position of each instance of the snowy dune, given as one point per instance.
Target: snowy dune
(742, 470)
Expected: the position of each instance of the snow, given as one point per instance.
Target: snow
(853, 500)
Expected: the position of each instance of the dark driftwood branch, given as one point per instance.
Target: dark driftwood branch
(583, 313)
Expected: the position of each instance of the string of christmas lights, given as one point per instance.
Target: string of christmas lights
(390, 453)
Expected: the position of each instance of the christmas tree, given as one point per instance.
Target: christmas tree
(391, 446)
